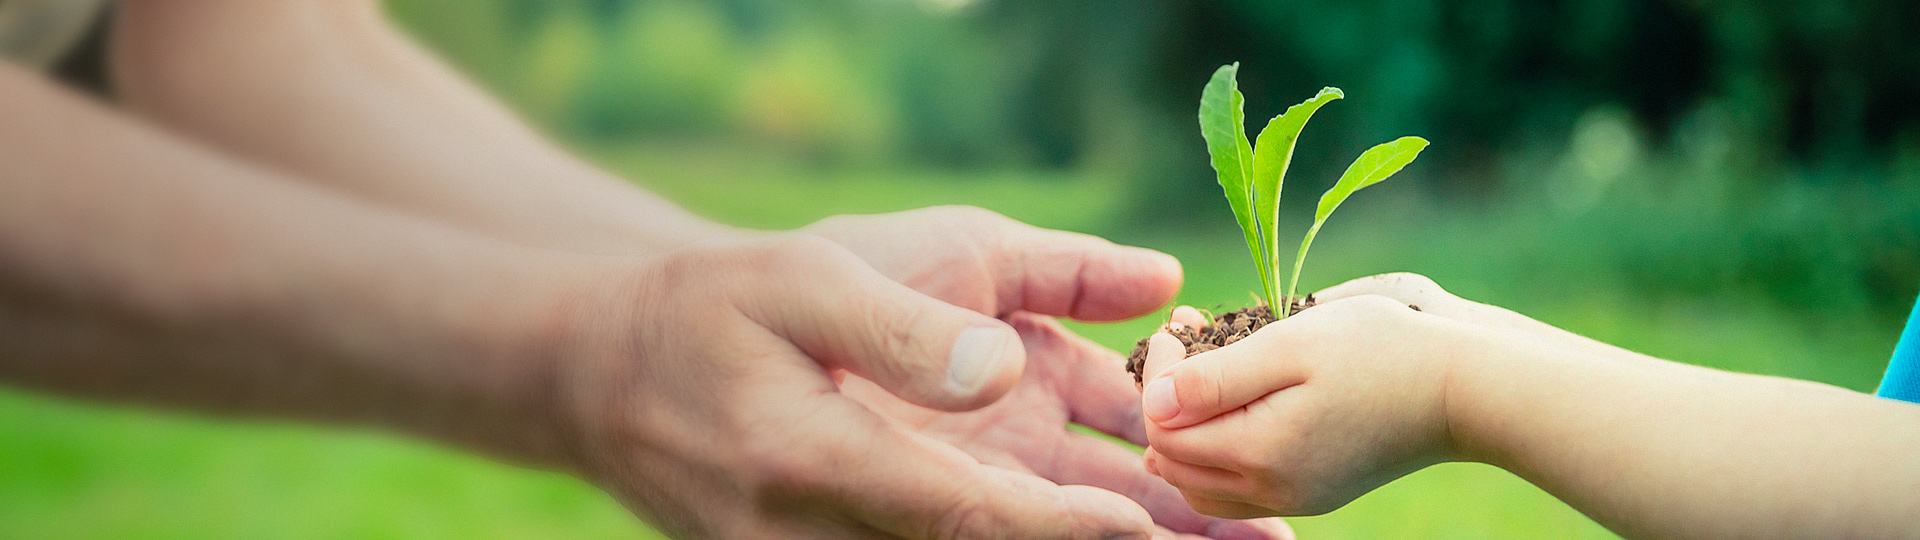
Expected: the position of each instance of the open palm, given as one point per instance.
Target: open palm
(982, 261)
(1068, 380)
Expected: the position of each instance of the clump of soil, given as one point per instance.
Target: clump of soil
(1225, 329)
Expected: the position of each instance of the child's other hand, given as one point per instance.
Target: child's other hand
(1308, 413)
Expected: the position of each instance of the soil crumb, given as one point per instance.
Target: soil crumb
(1225, 329)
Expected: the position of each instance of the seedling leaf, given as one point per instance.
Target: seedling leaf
(1253, 175)
(1223, 122)
(1272, 152)
(1370, 168)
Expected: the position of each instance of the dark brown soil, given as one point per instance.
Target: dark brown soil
(1225, 329)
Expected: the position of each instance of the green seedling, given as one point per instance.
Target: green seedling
(1252, 174)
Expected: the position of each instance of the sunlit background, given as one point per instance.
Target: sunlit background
(1733, 183)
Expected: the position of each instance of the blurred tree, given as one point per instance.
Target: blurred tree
(1714, 114)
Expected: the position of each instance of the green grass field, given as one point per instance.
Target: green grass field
(78, 471)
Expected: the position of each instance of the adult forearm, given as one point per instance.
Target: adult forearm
(135, 266)
(331, 90)
(1662, 450)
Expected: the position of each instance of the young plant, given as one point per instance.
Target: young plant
(1252, 174)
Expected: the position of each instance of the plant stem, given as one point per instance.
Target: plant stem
(1273, 265)
(1293, 284)
(1269, 276)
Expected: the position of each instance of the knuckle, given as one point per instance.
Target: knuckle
(1410, 287)
(1409, 280)
(896, 337)
(979, 228)
(800, 256)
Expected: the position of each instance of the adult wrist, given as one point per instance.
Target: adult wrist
(493, 348)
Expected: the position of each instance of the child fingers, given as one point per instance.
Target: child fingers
(1406, 287)
(1418, 292)
(1230, 441)
(1227, 509)
(1163, 351)
(1203, 481)
(1188, 317)
(1209, 384)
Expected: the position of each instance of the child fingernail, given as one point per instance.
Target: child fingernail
(1159, 400)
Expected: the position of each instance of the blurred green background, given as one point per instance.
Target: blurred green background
(1733, 183)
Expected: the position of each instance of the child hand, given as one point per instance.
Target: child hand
(1306, 414)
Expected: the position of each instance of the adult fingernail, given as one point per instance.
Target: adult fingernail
(1159, 400)
(978, 352)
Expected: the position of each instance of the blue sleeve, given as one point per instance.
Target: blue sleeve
(1903, 373)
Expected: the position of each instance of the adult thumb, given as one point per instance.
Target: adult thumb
(846, 315)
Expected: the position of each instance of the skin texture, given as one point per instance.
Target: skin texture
(1313, 411)
(331, 225)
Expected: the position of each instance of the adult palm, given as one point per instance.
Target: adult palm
(985, 262)
(1068, 380)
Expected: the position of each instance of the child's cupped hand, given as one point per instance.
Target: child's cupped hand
(1315, 410)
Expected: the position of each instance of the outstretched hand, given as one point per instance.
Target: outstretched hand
(988, 263)
(697, 390)
(1068, 380)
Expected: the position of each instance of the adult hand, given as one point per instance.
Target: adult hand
(699, 395)
(991, 264)
(985, 262)
(1068, 379)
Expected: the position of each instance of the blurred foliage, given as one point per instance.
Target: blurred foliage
(1763, 146)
